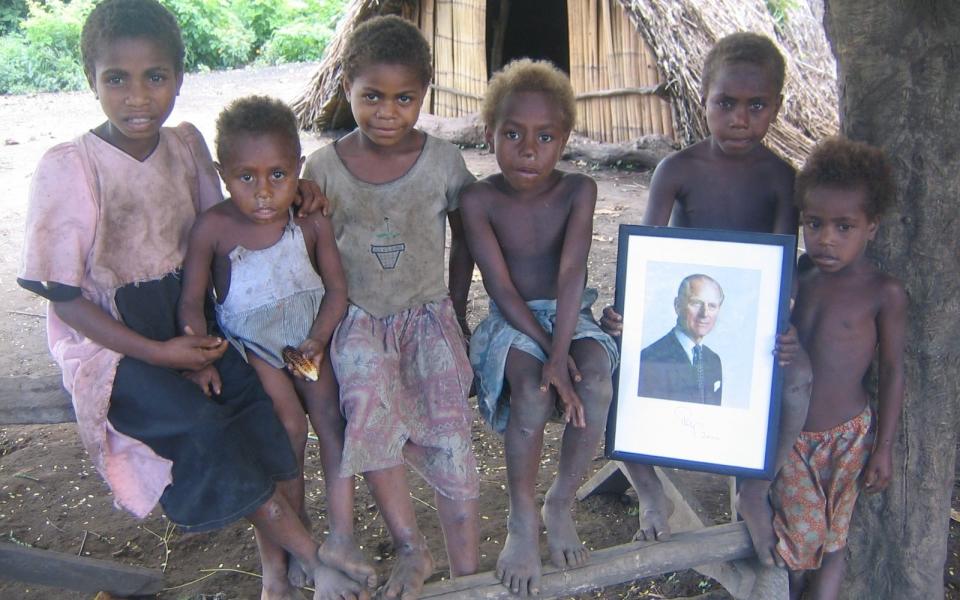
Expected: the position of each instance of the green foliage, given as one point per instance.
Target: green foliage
(214, 36)
(264, 17)
(40, 39)
(44, 55)
(11, 13)
(780, 9)
(296, 42)
(323, 12)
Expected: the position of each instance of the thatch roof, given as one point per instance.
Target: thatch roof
(680, 32)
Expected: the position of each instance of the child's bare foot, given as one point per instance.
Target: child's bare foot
(518, 566)
(330, 584)
(343, 554)
(296, 574)
(414, 564)
(654, 511)
(279, 592)
(753, 504)
(566, 549)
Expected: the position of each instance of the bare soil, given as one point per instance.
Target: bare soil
(52, 498)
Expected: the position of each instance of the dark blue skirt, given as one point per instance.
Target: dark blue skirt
(227, 451)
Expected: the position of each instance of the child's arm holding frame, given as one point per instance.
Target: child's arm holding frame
(891, 325)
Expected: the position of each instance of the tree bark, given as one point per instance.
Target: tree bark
(899, 82)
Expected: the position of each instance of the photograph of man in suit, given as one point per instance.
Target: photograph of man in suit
(679, 366)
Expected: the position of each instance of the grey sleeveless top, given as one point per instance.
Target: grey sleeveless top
(273, 299)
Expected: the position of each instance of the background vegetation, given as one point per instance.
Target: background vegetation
(40, 39)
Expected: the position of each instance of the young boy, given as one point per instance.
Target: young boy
(846, 310)
(529, 229)
(730, 180)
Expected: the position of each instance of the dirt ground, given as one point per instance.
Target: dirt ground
(52, 498)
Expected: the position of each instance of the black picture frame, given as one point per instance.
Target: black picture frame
(714, 409)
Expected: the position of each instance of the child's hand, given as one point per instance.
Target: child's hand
(207, 378)
(876, 475)
(313, 351)
(611, 322)
(787, 347)
(558, 376)
(190, 352)
(310, 199)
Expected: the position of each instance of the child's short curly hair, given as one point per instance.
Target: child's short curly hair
(257, 115)
(387, 40)
(525, 75)
(743, 47)
(112, 20)
(840, 162)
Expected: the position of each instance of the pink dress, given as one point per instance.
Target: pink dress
(99, 220)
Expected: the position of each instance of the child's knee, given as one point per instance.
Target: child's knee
(596, 385)
(458, 515)
(271, 510)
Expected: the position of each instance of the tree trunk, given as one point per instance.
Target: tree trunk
(899, 82)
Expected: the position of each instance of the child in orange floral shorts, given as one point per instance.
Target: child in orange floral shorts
(846, 311)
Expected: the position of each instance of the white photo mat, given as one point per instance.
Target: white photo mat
(738, 436)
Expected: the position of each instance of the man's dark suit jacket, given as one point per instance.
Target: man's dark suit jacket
(666, 372)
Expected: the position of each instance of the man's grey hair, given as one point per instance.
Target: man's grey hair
(684, 290)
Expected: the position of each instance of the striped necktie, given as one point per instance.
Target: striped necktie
(698, 367)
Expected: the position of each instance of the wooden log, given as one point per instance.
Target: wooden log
(610, 479)
(741, 578)
(646, 152)
(612, 566)
(34, 400)
(66, 571)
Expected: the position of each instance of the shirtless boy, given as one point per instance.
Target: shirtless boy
(529, 229)
(846, 311)
(730, 180)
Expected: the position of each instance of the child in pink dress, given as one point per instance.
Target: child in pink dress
(399, 354)
(106, 233)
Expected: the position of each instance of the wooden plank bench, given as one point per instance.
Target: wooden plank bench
(742, 576)
(42, 400)
(721, 552)
(611, 566)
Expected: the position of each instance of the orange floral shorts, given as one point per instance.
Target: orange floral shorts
(814, 493)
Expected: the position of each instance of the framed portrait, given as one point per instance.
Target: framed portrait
(698, 386)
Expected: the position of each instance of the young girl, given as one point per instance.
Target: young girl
(105, 235)
(265, 266)
(399, 355)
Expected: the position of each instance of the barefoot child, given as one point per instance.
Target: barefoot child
(847, 310)
(730, 180)
(264, 264)
(399, 355)
(529, 228)
(105, 237)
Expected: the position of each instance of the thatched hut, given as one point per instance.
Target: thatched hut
(634, 64)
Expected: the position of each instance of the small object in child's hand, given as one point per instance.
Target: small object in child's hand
(300, 363)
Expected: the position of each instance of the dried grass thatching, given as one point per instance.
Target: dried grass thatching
(680, 32)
